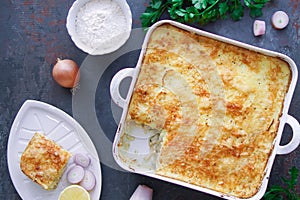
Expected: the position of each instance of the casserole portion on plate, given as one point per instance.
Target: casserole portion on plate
(204, 112)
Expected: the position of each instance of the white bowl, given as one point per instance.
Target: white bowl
(115, 43)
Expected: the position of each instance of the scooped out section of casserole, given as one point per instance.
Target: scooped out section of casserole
(204, 112)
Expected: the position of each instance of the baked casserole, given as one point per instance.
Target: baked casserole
(216, 108)
(44, 161)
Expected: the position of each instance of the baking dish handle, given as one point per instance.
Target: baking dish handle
(295, 141)
(115, 85)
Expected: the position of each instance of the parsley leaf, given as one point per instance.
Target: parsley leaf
(255, 7)
(223, 9)
(277, 192)
(153, 12)
(237, 10)
(201, 11)
(200, 4)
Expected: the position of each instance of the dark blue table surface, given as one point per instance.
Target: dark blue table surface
(33, 35)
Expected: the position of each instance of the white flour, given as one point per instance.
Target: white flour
(100, 23)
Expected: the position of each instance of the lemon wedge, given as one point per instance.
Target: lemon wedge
(74, 192)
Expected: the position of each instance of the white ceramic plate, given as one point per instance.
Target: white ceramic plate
(64, 130)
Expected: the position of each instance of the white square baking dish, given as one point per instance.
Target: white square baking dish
(141, 151)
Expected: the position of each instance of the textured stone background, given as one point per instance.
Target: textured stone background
(33, 35)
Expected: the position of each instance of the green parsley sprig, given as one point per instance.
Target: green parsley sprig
(202, 11)
(289, 192)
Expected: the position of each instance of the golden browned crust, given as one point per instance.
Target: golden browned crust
(44, 161)
(218, 105)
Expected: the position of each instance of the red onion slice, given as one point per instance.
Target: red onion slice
(82, 160)
(75, 174)
(88, 181)
(280, 19)
(259, 27)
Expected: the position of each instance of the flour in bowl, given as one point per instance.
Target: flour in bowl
(100, 24)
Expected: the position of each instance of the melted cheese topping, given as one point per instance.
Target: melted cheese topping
(218, 106)
(44, 161)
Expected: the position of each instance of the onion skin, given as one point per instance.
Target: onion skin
(66, 73)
